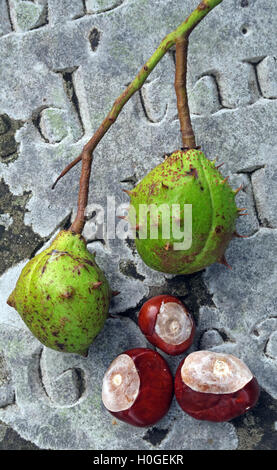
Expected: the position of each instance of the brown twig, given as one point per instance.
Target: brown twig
(105, 125)
(67, 169)
(188, 137)
(178, 36)
(79, 222)
(183, 29)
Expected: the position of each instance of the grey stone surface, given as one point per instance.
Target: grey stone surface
(3, 430)
(245, 198)
(53, 125)
(6, 220)
(243, 301)
(27, 15)
(99, 6)
(211, 338)
(204, 97)
(76, 60)
(66, 10)
(6, 387)
(267, 72)
(265, 190)
(5, 25)
(271, 347)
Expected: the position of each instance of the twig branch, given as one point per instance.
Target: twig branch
(184, 29)
(188, 137)
(177, 36)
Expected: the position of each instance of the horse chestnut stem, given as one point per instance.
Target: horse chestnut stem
(215, 386)
(167, 324)
(138, 387)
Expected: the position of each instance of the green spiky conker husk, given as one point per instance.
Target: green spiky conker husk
(186, 177)
(62, 295)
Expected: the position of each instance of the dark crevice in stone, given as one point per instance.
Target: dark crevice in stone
(81, 15)
(244, 29)
(249, 171)
(131, 244)
(265, 350)
(77, 17)
(129, 269)
(155, 436)
(257, 79)
(36, 249)
(190, 289)
(67, 222)
(257, 85)
(68, 83)
(84, 6)
(66, 70)
(256, 429)
(226, 338)
(9, 14)
(131, 179)
(46, 15)
(81, 382)
(143, 105)
(18, 241)
(36, 117)
(94, 240)
(13, 441)
(255, 332)
(172, 54)
(132, 312)
(40, 374)
(8, 144)
(214, 75)
(219, 95)
(198, 294)
(254, 60)
(244, 3)
(94, 38)
(263, 222)
(71, 93)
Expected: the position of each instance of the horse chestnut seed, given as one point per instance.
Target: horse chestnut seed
(138, 387)
(215, 386)
(167, 324)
